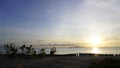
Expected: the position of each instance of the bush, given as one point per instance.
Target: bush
(42, 55)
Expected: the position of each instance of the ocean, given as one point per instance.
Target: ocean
(73, 50)
(94, 50)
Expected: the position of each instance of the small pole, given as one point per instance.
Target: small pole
(114, 55)
(76, 54)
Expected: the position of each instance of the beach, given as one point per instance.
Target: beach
(53, 62)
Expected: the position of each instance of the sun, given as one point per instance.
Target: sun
(95, 40)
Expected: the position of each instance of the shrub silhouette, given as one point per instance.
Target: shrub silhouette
(42, 53)
(22, 49)
(10, 49)
(26, 51)
(53, 50)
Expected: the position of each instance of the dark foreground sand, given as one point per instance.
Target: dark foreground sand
(52, 62)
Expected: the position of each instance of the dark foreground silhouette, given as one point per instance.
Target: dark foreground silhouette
(61, 62)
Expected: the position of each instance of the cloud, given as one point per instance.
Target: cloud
(102, 3)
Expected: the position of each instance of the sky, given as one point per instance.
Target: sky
(60, 21)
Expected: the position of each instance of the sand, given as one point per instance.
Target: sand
(52, 62)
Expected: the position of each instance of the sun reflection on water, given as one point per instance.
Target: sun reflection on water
(95, 50)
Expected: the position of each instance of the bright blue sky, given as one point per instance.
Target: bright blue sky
(62, 20)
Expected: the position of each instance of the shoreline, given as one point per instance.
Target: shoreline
(75, 54)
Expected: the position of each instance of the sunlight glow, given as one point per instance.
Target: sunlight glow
(94, 40)
(95, 50)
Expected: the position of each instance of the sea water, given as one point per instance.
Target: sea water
(101, 50)
(72, 50)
